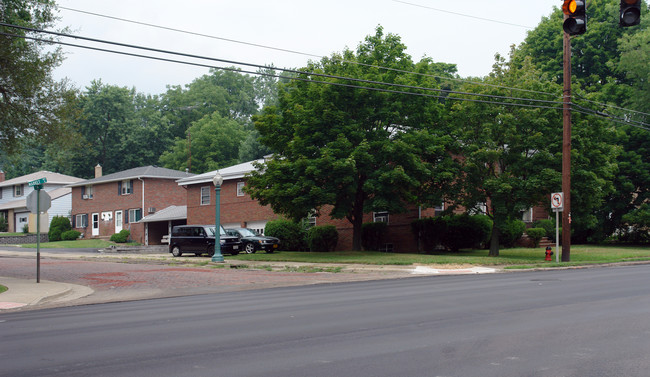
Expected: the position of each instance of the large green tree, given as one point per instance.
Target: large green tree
(348, 148)
(31, 102)
(508, 152)
(212, 142)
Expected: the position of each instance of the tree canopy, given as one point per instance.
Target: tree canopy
(346, 147)
(32, 104)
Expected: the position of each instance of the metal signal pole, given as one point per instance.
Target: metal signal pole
(566, 152)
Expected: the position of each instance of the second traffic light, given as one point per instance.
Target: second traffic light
(576, 23)
(630, 13)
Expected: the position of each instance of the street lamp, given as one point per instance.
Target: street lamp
(217, 181)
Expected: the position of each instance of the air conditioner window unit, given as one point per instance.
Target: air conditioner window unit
(152, 209)
(84, 196)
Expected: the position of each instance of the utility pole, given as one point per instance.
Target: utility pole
(566, 151)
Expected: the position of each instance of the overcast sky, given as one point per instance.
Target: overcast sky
(433, 28)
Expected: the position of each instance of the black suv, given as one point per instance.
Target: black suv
(252, 241)
(199, 239)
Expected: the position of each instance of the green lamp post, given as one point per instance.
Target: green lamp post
(217, 181)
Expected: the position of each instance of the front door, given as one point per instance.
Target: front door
(118, 221)
(95, 224)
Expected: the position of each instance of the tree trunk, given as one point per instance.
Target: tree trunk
(357, 217)
(494, 241)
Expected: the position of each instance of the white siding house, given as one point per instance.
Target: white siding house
(14, 192)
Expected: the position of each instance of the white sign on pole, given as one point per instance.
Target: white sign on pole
(557, 201)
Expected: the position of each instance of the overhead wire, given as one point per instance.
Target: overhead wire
(446, 78)
(346, 61)
(580, 109)
(293, 71)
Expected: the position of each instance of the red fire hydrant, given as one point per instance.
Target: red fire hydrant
(549, 253)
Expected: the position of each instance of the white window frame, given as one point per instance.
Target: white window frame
(311, 218)
(240, 188)
(380, 217)
(205, 198)
(132, 215)
(127, 189)
(81, 220)
(527, 215)
(18, 190)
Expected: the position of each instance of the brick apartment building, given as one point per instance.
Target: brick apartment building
(106, 204)
(238, 209)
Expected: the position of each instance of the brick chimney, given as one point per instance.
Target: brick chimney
(2, 176)
(98, 171)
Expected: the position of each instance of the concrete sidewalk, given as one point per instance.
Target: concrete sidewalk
(23, 292)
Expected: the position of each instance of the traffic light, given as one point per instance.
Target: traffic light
(630, 13)
(576, 23)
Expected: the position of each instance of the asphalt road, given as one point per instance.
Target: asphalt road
(583, 322)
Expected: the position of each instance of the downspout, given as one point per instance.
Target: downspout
(146, 233)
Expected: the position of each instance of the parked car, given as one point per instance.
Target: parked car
(199, 239)
(252, 241)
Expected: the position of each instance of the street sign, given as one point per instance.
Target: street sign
(37, 182)
(43, 206)
(557, 201)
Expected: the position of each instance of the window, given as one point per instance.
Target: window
(205, 195)
(87, 192)
(125, 187)
(240, 188)
(527, 215)
(81, 221)
(18, 190)
(380, 217)
(134, 215)
(438, 209)
(311, 218)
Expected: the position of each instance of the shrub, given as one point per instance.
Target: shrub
(26, 228)
(510, 231)
(322, 238)
(372, 235)
(548, 226)
(536, 234)
(4, 225)
(465, 231)
(70, 235)
(429, 231)
(58, 225)
(291, 234)
(121, 237)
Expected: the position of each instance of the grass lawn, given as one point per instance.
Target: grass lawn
(77, 244)
(508, 258)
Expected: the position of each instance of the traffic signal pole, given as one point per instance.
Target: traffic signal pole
(566, 151)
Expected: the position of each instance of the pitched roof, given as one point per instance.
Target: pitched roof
(166, 214)
(52, 178)
(231, 172)
(141, 172)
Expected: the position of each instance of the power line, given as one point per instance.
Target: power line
(346, 61)
(298, 52)
(580, 109)
(293, 71)
(294, 78)
(462, 14)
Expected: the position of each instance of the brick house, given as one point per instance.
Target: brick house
(238, 209)
(106, 204)
(14, 192)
